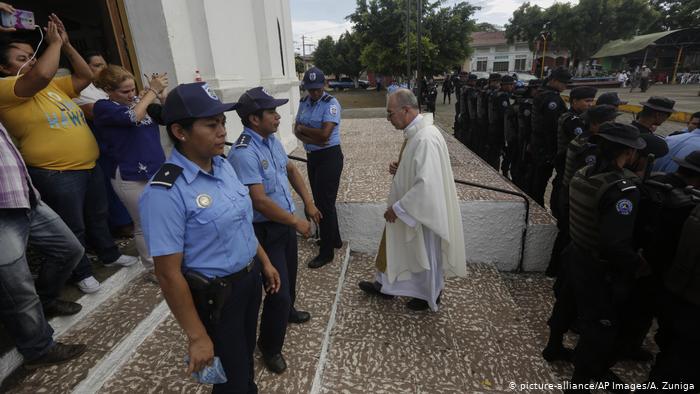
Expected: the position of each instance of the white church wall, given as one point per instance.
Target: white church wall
(234, 45)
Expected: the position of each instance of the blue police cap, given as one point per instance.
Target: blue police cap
(255, 99)
(193, 100)
(314, 78)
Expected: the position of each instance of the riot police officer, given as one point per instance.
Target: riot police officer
(475, 108)
(197, 221)
(570, 125)
(581, 152)
(509, 166)
(261, 164)
(679, 295)
(318, 127)
(547, 107)
(466, 121)
(499, 103)
(490, 90)
(522, 176)
(604, 202)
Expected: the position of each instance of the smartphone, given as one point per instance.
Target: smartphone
(20, 19)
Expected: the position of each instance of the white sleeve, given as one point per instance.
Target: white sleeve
(403, 215)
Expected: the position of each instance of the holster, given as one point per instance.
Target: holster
(209, 295)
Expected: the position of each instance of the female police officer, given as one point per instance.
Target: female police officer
(197, 221)
(317, 126)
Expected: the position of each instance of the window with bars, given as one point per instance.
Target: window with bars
(481, 65)
(520, 64)
(500, 66)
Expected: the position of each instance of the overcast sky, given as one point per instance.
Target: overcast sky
(315, 19)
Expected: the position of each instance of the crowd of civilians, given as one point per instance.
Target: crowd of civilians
(54, 192)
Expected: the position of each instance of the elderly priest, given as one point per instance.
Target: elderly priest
(423, 240)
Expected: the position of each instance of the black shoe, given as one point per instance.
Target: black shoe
(319, 261)
(373, 289)
(336, 246)
(61, 308)
(553, 353)
(416, 304)
(298, 317)
(58, 354)
(275, 363)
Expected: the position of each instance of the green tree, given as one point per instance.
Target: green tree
(582, 28)
(325, 56)
(675, 14)
(526, 24)
(298, 63)
(381, 26)
(348, 51)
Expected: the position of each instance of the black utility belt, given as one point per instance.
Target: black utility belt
(212, 294)
(323, 150)
(200, 282)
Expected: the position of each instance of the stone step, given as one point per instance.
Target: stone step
(156, 365)
(112, 280)
(102, 326)
(477, 341)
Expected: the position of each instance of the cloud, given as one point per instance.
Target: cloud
(498, 12)
(314, 30)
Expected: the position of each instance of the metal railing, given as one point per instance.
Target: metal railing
(480, 186)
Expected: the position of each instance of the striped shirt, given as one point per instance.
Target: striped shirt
(15, 184)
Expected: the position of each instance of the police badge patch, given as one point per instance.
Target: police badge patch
(590, 160)
(526, 112)
(265, 164)
(210, 93)
(578, 131)
(204, 200)
(312, 76)
(552, 106)
(624, 207)
(333, 110)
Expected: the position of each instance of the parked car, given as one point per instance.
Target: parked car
(342, 83)
(524, 76)
(363, 83)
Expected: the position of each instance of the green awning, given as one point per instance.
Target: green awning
(636, 43)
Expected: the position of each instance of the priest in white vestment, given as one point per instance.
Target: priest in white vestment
(423, 241)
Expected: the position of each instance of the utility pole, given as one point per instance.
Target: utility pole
(303, 51)
(419, 75)
(408, 42)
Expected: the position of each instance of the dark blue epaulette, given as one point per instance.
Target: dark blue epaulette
(242, 141)
(167, 175)
(326, 98)
(303, 99)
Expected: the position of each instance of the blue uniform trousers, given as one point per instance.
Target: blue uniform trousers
(234, 333)
(280, 243)
(325, 167)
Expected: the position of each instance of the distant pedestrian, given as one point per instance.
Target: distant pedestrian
(644, 77)
(447, 90)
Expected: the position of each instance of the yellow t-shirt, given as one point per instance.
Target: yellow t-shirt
(50, 128)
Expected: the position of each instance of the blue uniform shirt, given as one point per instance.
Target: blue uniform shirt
(678, 146)
(262, 160)
(325, 109)
(207, 217)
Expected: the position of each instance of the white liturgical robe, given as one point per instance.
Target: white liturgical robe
(428, 241)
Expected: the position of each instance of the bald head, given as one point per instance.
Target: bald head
(404, 97)
(401, 108)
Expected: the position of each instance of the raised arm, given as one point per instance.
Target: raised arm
(82, 74)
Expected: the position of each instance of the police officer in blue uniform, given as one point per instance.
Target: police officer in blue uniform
(197, 221)
(261, 164)
(318, 127)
